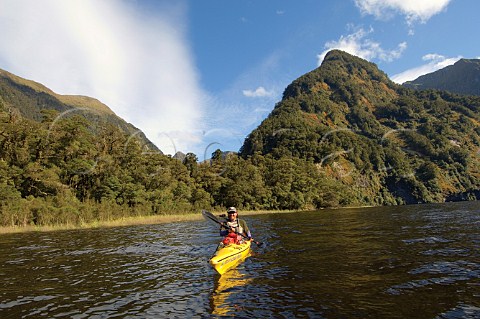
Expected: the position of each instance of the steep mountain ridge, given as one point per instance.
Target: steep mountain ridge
(72, 100)
(463, 77)
(31, 98)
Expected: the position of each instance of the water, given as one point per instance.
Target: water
(393, 262)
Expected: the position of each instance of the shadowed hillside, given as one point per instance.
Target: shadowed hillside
(30, 98)
(463, 77)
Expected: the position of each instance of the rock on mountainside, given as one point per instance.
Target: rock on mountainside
(387, 143)
(463, 77)
(30, 98)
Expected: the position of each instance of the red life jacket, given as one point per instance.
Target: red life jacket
(231, 238)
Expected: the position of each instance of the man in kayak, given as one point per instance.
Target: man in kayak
(235, 229)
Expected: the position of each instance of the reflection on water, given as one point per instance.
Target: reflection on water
(227, 289)
(390, 262)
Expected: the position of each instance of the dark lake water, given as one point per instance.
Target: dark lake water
(391, 262)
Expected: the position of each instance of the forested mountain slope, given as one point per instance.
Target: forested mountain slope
(387, 143)
(342, 135)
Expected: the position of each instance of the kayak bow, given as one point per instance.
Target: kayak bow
(229, 256)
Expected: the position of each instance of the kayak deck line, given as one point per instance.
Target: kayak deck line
(238, 253)
(229, 256)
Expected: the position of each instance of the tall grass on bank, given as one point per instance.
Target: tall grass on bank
(125, 221)
(43, 215)
(60, 213)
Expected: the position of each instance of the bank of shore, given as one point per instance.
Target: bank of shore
(127, 221)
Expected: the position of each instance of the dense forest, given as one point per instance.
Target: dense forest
(66, 174)
(343, 135)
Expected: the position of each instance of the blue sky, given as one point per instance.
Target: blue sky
(197, 75)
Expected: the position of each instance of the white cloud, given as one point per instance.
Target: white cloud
(139, 64)
(414, 10)
(259, 92)
(357, 44)
(435, 62)
(231, 115)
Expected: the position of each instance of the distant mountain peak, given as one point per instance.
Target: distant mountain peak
(339, 55)
(462, 77)
(30, 98)
(468, 61)
(351, 63)
(352, 78)
(71, 100)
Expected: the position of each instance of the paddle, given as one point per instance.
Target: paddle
(212, 217)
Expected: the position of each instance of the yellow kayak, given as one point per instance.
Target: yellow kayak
(229, 256)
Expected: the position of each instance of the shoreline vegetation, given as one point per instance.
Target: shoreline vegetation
(164, 218)
(324, 145)
(128, 221)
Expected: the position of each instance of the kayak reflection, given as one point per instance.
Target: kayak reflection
(223, 300)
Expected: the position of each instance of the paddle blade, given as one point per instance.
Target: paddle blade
(210, 217)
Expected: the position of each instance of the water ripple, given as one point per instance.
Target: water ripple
(427, 240)
(390, 262)
(461, 311)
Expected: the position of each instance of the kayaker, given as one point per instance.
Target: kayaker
(236, 227)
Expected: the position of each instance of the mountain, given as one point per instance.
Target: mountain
(463, 77)
(343, 135)
(32, 99)
(386, 143)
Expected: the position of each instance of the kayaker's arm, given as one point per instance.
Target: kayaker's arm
(246, 230)
(223, 232)
(224, 229)
(211, 217)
